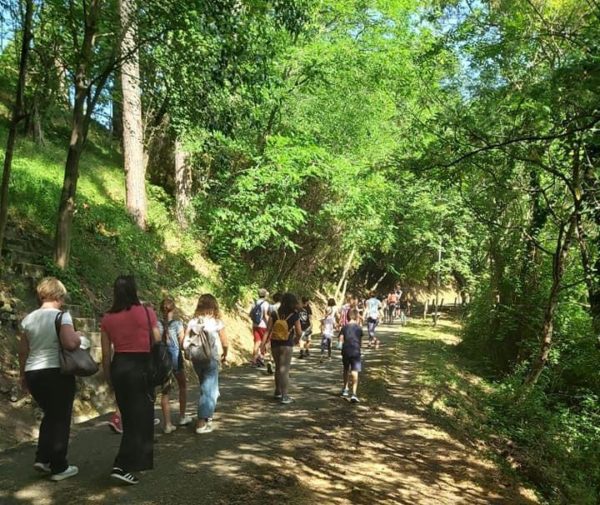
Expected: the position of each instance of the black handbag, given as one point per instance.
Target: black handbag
(161, 363)
(77, 362)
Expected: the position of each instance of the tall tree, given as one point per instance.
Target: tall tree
(18, 115)
(133, 131)
(183, 185)
(83, 106)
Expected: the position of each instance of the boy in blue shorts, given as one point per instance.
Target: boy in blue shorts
(350, 340)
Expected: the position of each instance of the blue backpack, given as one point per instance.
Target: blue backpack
(256, 313)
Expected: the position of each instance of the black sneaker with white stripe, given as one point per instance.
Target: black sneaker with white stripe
(122, 475)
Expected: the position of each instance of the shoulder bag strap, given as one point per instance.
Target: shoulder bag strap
(57, 325)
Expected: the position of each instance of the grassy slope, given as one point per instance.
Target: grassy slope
(105, 243)
(524, 436)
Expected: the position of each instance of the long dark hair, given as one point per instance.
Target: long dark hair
(289, 304)
(125, 294)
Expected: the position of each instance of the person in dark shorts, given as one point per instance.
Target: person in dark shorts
(350, 340)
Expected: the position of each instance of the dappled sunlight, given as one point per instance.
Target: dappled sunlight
(320, 449)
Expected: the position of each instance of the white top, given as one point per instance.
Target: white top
(373, 306)
(329, 322)
(43, 341)
(211, 326)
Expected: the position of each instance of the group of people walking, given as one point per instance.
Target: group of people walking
(129, 330)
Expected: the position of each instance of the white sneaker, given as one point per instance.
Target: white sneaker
(207, 428)
(69, 472)
(169, 428)
(184, 421)
(286, 400)
(42, 467)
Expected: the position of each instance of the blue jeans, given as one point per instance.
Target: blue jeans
(208, 376)
(371, 325)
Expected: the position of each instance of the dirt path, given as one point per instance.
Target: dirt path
(321, 449)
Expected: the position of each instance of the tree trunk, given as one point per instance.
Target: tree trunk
(347, 266)
(183, 185)
(17, 115)
(528, 275)
(37, 130)
(81, 120)
(116, 98)
(66, 209)
(63, 85)
(133, 136)
(558, 269)
(590, 201)
(375, 286)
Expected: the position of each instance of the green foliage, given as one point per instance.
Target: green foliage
(106, 242)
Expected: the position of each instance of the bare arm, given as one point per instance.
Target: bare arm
(181, 336)
(156, 334)
(69, 338)
(297, 331)
(224, 344)
(267, 335)
(23, 353)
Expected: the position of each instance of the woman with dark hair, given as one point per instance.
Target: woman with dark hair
(207, 324)
(282, 349)
(129, 328)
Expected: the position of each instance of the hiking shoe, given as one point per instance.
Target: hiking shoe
(69, 472)
(115, 424)
(38, 466)
(354, 399)
(277, 397)
(122, 475)
(269, 368)
(345, 392)
(286, 400)
(207, 428)
(184, 421)
(169, 428)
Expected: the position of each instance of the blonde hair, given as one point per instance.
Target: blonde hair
(50, 289)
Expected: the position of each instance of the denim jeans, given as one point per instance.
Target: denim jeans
(208, 377)
(371, 325)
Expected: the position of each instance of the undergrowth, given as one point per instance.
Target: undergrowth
(105, 240)
(552, 442)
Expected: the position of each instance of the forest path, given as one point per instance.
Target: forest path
(320, 449)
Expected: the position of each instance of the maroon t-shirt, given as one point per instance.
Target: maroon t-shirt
(128, 330)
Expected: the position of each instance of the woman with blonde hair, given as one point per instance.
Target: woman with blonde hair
(39, 367)
(172, 330)
(201, 343)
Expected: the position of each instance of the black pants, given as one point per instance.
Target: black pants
(136, 402)
(54, 393)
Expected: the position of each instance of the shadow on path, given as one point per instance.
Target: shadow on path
(320, 449)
